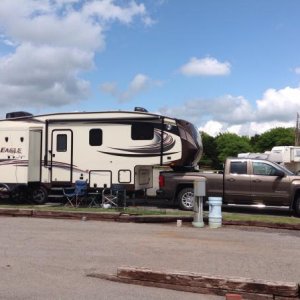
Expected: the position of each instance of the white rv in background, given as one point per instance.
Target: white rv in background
(287, 156)
(40, 152)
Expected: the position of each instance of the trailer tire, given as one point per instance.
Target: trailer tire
(19, 195)
(297, 206)
(39, 195)
(185, 198)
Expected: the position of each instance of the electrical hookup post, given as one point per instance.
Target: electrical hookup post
(199, 193)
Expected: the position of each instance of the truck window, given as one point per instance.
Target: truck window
(238, 167)
(142, 131)
(260, 168)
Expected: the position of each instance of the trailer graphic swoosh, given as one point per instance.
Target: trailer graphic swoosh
(55, 164)
(149, 150)
(136, 154)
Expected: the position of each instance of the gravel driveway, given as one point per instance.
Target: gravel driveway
(48, 259)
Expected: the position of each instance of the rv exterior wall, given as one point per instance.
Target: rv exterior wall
(113, 159)
(14, 148)
(101, 147)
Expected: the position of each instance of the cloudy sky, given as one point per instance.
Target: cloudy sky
(224, 65)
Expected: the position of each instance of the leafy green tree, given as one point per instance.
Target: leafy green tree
(230, 144)
(275, 137)
(253, 141)
(210, 155)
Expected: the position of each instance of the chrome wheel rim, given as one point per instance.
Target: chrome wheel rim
(188, 199)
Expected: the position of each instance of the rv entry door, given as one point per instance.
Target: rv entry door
(35, 155)
(61, 152)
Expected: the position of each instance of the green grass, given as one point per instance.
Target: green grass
(58, 207)
(147, 211)
(260, 218)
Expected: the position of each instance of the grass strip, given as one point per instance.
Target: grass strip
(260, 218)
(146, 211)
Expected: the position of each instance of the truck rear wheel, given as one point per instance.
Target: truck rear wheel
(186, 199)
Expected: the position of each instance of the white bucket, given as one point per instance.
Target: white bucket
(179, 223)
(215, 212)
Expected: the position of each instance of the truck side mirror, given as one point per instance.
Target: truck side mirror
(279, 173)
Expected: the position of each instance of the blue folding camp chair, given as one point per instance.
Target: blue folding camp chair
(75, 195)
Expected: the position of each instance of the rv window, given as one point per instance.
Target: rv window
(142, 131)
(95, 137)
(61, 143)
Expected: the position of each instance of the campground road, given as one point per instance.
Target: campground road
(48, 258)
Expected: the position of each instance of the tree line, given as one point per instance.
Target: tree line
(217, 149)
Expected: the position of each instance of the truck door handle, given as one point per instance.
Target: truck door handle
(256, 180)
(231, 179)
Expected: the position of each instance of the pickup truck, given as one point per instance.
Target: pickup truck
(243, 181)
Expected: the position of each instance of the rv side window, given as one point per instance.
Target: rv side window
(61, 143)
(142, 131)
(95, 137)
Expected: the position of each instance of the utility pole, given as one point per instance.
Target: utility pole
(297, 132)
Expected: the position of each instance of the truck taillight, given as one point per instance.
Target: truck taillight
(161, 181)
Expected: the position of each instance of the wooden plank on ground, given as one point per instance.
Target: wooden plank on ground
(182, 288)
(286, 289)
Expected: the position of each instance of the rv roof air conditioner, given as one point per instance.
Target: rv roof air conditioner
(141, 109)
(18, 114)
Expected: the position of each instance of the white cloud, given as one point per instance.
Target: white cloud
(226, 109)
(139, 83)
(279, 104)
(54, 23)
(277, 108)
(212, 127)
(107, 10)
(260, 127)
(208, 66)
(37, 75)
(297, 70)
(53, 42)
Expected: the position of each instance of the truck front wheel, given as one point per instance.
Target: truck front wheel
(186, 199)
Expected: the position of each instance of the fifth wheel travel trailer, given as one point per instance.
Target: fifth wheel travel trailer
(38, 153)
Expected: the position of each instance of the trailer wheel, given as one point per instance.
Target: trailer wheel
(186, 199)
(297, 206)
(19, 195)
(39, 195)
